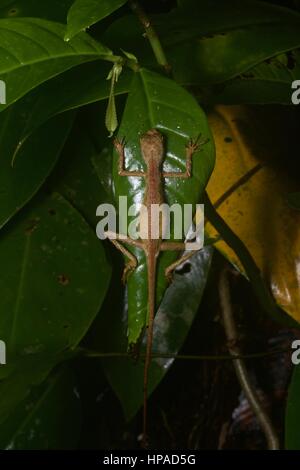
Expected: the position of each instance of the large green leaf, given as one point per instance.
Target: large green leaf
(78, 166)
(55, 259)
(292, 417)
(268, 82)
(224, 56)
(85, 13)
(49, 417)
(55, 276)
(77, 87)
(172, 323)
(36, 157)
(33, 50)
(157, 102)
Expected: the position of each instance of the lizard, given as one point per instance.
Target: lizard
(152, 149)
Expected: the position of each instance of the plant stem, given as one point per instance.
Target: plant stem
(239, 365)
(187, 357)
(123, 61)
(151, 35)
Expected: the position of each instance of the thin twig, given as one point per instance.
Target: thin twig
(151, 35)
(239, 365)
(186, 357)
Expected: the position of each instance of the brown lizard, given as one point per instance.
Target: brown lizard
(152, 149)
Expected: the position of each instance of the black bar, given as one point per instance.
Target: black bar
(137, 459)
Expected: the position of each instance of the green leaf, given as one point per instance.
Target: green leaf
(292, 417)
(49, 417)
(55, 276)
(33, 51)
(35, 159)
(172, 323)
(243, 49)
(85, 13)
(77, 166)
(75, 88)
(157, 102)
(194, 19)
(111, 119)
(18, 376)
(54, 10)
(266, 83)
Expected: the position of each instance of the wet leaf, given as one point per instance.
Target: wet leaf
(157, 102)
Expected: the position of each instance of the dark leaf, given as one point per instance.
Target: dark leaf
(49, 255)
(292, 417)
(49, 417)
(266, 83)
(35, 160)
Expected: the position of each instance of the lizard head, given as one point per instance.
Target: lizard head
(152, 146)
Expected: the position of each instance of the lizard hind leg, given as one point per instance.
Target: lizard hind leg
(132, 262)
(169, 271)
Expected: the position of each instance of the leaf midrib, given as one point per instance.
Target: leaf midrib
(90, 57)
(94, 52)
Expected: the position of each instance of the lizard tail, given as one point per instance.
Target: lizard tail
(151, 313)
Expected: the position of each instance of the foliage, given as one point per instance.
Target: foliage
(61, 295)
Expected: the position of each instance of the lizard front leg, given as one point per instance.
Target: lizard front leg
(190, 149)
(120, 148)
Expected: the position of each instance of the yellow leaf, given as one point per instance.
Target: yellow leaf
(248, 188)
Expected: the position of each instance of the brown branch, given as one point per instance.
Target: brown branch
(151, 35)
(184, 357)
(239, 365)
